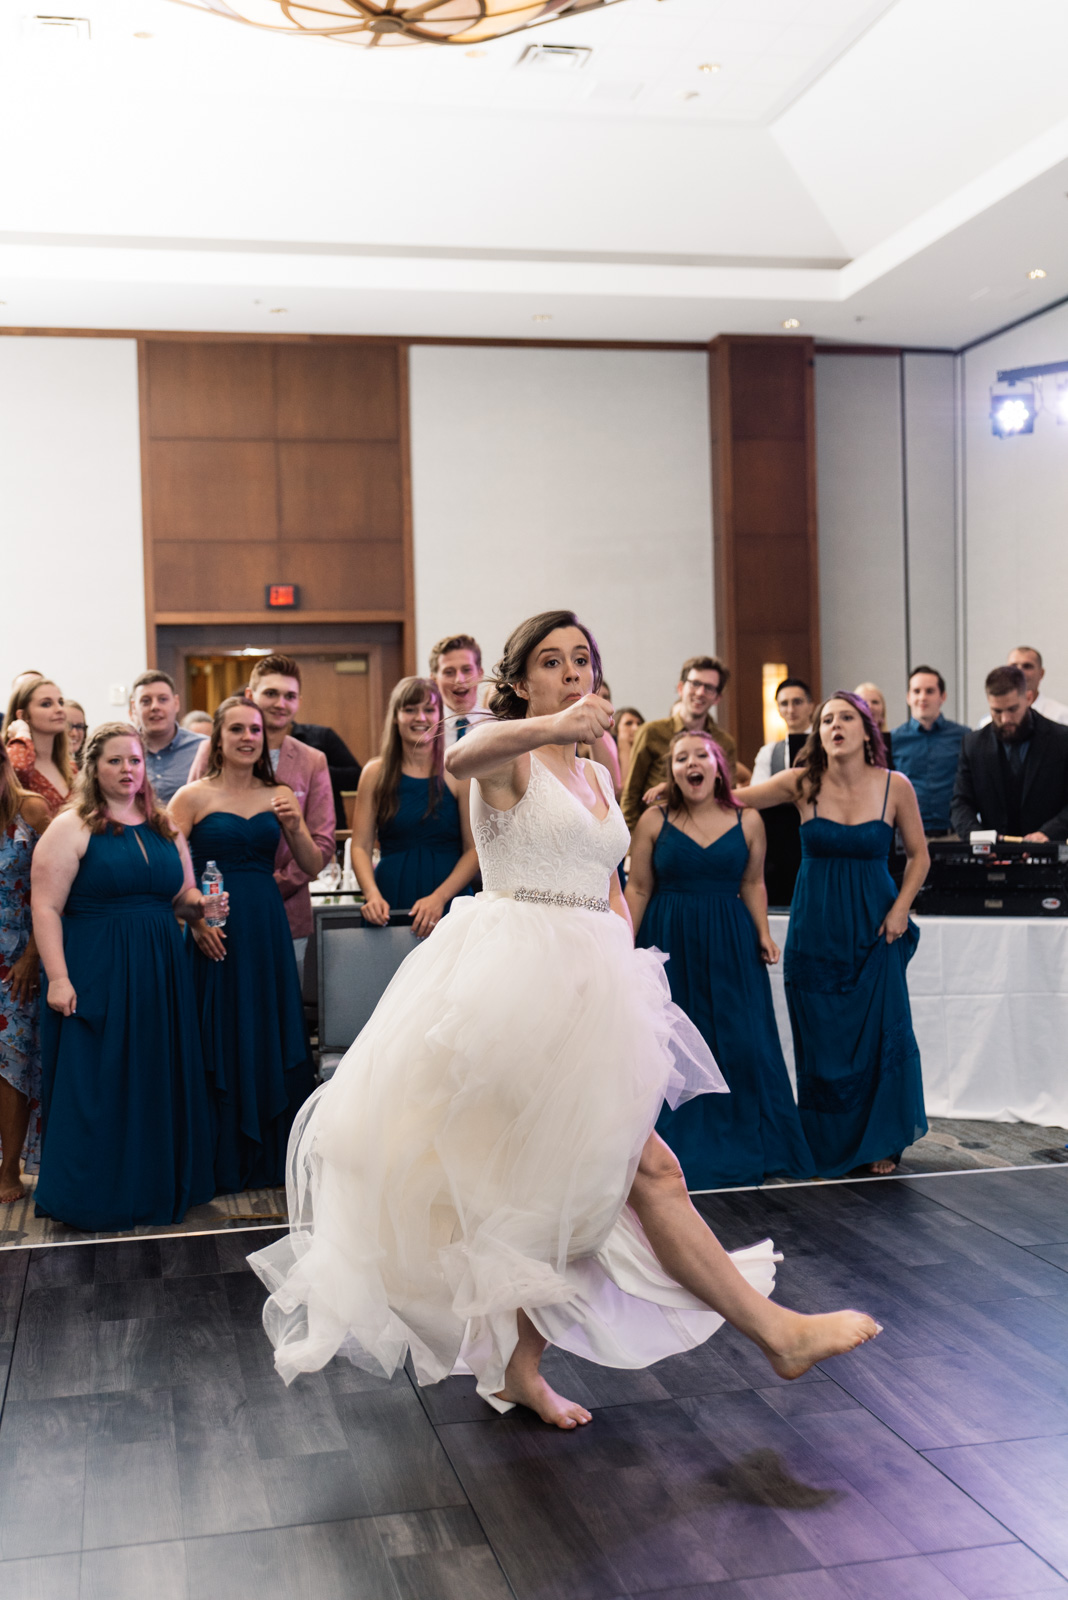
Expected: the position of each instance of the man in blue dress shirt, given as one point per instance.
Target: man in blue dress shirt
(927, 748)
(169, 749)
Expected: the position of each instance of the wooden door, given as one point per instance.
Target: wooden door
(338, 691)
(340, 688)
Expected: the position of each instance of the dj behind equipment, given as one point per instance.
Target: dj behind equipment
(985, 875)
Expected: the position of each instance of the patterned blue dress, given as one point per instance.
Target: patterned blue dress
(718, 978)
(859, 1085)
(20, 1050)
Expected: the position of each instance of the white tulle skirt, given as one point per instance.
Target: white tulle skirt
(473, 1154)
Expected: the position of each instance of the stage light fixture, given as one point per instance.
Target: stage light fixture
(1012, 412)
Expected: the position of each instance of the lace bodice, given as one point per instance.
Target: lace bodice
(548, 840)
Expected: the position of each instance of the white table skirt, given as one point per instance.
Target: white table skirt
(990, 1009)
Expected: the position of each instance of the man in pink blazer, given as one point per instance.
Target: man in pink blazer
(274, 689)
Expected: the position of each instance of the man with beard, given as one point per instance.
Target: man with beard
(1013, 774)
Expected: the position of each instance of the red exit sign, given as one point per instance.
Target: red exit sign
(283, 594)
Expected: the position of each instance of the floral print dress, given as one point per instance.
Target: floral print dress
(20, 1052)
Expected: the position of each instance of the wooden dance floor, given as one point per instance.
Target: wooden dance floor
(148, 1451)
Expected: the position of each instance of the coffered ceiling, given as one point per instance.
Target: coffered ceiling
(887, 172)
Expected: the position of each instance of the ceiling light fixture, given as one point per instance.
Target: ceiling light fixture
(791, 322)
(542, 316)
(279, 311)
(710, 66)
(376, 23)
(1037, 272)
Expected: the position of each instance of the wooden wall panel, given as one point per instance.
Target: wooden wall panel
(271, 462)
(339, 491)
(210, 391)
(336, 391)
(223, 490)
(344, 576)
(764, 519)
(192, 576)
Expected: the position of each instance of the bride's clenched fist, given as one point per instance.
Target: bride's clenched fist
(584, 722)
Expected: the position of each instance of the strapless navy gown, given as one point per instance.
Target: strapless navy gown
(859, 1085)
(127, 1138)
(418, 852)
(718, 978)
(251, 1013)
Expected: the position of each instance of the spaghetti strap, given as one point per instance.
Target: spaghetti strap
(886, 796)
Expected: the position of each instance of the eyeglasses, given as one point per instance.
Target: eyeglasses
(702, 683)
(78, 727)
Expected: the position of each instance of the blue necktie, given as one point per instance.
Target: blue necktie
(461, 726)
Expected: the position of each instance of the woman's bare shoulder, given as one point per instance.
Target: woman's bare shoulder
(34, 811)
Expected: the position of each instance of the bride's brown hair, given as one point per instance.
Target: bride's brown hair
(504, 702)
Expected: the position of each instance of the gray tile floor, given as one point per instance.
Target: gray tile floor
(147, 1449)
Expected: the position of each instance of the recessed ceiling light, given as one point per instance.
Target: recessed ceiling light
(710, 66)
(542, 316)
(791, 322)
(278, 311)
(142, 36)
(1037, 272)
(475, 55)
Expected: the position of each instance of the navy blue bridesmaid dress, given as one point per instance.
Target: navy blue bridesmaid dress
(718, 978)
(859, 1084)
(418, 852)
(127, 1133)
(251, 1013)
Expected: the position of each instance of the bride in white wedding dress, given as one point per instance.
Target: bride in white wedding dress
(480, 1176)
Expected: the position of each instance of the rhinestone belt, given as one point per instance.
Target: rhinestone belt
(574, 902)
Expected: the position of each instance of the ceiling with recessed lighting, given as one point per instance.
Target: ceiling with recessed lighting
(667, 169)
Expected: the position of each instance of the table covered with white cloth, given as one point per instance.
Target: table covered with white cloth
(990, 1009)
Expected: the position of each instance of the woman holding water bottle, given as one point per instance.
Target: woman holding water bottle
(127, 1127)
(245, 974)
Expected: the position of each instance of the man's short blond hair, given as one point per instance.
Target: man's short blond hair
(453, 641)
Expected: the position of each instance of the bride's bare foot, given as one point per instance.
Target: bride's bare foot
(531, 1390)
(12, 1190)
(805, 1340)
(882, 1169)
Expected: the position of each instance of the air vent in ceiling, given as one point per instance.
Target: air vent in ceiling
(554, 58)
(63, 30)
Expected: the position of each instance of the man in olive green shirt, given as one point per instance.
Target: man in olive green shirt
(701, 682)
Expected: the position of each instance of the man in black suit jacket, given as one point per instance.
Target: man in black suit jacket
(1013, 774)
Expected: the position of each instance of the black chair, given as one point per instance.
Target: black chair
(354, 964)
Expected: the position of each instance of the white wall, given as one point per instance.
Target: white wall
(885, 464)
(70, 516)
(566, 478)
(1016, 516)
(861, 525)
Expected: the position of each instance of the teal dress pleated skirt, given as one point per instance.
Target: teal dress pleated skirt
(126, 1123)
(418, 851)
(718, 978)
(255, 1045)
(859, 1084)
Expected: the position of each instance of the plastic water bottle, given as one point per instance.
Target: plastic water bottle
(211, 884)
